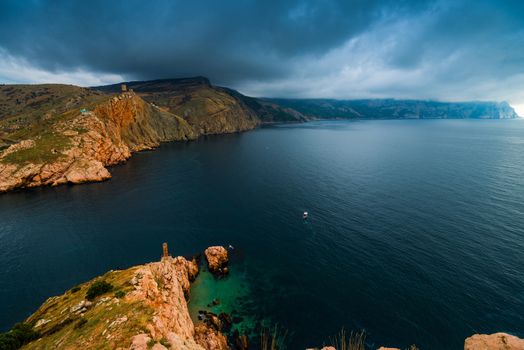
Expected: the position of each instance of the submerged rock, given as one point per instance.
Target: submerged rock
(214, 302)
(225, 321)
(217, 259)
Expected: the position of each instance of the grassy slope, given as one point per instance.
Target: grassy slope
(207, 109)
(23, 105)
(179, 109)
(196, 100)
(31, 111)
(70, 330)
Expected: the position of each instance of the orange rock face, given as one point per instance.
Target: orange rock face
(110, 134)
(163, 286)
(147, 309)
(217, 259)
(496, 341)
(209, 338)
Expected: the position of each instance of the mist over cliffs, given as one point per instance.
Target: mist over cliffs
(397, 109)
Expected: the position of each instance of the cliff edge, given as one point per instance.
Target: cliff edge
(144, 307)
(77, 146)
(55, 134)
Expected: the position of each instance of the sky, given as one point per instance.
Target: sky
(443, 50)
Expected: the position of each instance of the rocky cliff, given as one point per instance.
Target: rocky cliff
(76, 147)
(209, 109)
(57, 134)
(144, 307)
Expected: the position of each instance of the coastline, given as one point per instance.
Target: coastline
(150, 307)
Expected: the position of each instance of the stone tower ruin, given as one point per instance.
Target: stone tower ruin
(165, 253)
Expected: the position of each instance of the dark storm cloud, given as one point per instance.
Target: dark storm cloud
(225, 40)
(437, 49)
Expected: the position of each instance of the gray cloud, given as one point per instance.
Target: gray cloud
(346, 49)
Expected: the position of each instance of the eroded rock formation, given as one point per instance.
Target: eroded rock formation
(57, 134)
(79, 149)
(496, 341)
(145, 309)
(217, 259)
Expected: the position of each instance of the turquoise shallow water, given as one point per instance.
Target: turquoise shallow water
(233, 296)
(416, 228)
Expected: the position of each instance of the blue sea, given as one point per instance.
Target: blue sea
(415, 231)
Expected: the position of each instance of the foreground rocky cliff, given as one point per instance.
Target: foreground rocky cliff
(144, 307)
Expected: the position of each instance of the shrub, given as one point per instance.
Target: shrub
(24, 332)
(20, 334)
(81, 322)
(8, 342)
(120, 294)
(165, 342)
(75, 289)
(98, 288)
(151, 343)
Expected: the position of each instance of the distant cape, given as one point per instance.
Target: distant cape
(397, 109)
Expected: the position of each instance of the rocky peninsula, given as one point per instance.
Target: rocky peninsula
(143, 307)
(57, 134)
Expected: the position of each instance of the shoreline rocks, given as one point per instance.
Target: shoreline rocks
(147, 308)
(217, 259)
(495, 341)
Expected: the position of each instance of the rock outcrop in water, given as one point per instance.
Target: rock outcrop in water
(217, 259)
(496, 341)
(146, 308)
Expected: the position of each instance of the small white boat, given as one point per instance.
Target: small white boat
(305, 215)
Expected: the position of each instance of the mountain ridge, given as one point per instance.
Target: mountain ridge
(391, 108)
